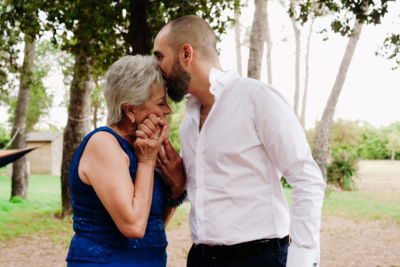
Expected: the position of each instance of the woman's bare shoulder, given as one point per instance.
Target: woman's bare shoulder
(103, 144)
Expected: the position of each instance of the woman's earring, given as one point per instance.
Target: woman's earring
(133, 120)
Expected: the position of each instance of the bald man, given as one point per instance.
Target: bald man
(238, 138)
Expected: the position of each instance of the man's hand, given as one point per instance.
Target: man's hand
(172, 167)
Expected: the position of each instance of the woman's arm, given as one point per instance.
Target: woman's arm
(168, 161)
(105, 166)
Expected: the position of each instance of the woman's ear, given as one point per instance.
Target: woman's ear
(129, 111)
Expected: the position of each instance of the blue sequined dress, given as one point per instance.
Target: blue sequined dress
(97, 240)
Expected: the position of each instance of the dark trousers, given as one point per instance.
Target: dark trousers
(275, 257)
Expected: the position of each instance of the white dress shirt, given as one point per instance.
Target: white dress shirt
(250, 139)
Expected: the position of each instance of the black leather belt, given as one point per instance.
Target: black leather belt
(242, 249)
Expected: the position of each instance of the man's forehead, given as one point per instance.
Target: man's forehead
(161, 45)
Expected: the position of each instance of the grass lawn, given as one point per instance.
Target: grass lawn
(38, 212)
(360, 205)
(378, 196)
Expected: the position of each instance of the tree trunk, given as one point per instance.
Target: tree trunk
(238, 43)
(307, 75)
(268, 42)
(321, 152)
(296, 30)
(95, 116)
(95, 102)
(20, 175)
(257, 39)
(78, 122)
(393, 154)
(139, 36)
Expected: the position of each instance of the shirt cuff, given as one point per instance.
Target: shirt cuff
(301, 257)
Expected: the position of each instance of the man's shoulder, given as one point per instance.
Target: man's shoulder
(252, 86)
(261, 92)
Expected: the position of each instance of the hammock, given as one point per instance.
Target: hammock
(10, 155)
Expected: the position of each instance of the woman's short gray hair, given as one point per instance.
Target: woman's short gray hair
(129, 80)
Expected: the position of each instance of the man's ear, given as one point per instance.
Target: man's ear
(129, 111)
(186, 54)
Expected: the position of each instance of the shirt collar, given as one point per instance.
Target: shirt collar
(215, 82)
(219, 81)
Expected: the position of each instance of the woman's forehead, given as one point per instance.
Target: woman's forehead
(158, 91)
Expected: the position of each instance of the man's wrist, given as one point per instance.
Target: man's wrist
(176, 191)
(175, 202)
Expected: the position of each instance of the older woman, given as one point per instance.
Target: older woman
(120, 202)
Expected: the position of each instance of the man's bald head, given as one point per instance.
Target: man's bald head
(194, 31)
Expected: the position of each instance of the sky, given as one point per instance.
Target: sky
(371, 91)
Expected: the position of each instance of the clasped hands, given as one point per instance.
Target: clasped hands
(156, 130)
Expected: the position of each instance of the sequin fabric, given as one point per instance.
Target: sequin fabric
(97, 239)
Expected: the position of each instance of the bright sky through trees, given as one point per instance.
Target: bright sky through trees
(371, 91)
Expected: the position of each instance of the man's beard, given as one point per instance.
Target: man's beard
(177, 82)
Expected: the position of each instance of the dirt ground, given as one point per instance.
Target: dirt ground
(344, 242)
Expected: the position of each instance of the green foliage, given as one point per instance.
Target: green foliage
(102, 28)
(344, 11)
(373, 145)
(17, 17)
(4, 136)
(393, 143)
(353, 140)
(178, 112)
(284, 182)
(343, 168)
(345, 133)
(395, 126)
(361, 138)
(89, 32)
(40, 101)
(98, 106)
(391, 49)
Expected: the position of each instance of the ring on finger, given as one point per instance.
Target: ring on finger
(165, 162)
(156, 137)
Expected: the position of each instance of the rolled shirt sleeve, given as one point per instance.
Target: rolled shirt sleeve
(286, 145)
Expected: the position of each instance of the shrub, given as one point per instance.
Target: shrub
(343, 168)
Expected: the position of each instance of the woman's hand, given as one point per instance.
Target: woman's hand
(150, 137)
(168, 160)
